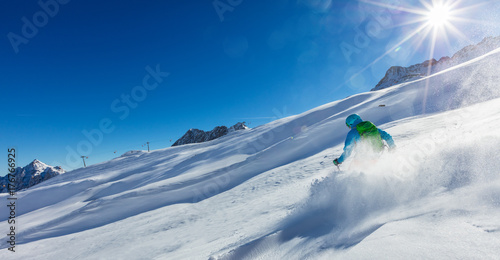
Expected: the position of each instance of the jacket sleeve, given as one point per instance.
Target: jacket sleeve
(350, 142)
(387, 137)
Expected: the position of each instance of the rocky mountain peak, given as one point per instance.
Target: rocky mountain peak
(396, 74)
(200, 136)
(30, 175)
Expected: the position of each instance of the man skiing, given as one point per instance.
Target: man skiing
(363, 131)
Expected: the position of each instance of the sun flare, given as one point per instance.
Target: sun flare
(438, 15)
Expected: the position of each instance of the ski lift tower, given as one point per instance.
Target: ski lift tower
(84, 165)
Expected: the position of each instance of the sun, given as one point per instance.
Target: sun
(438, 15)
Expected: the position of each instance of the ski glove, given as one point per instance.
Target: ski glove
(336, 162)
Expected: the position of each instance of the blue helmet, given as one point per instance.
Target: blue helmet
(352, 120)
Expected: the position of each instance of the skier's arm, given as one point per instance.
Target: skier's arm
(350, 141)
(388, 138)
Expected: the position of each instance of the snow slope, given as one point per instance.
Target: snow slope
(272, 192)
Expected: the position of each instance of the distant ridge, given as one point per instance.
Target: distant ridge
(200, 136)
(30, 175)
(397, 74)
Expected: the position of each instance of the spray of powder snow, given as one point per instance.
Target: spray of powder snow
(342, 207)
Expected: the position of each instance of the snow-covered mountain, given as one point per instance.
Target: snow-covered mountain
(200, 136)
(29, 175)
(272, 192)
(397, 74)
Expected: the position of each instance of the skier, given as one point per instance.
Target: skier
(363, 131)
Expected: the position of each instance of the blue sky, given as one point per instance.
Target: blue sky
(100, 67)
